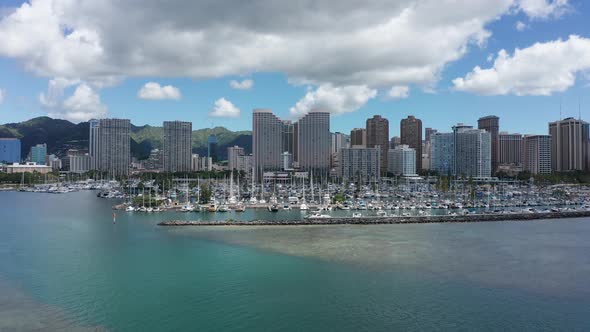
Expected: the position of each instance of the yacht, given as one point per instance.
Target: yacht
(273, 208)
(318, 215)
(303, 207)
(286, 207)
(240, 207)
(223, 208)
(130, 209)
(357, 215)
(381, 213)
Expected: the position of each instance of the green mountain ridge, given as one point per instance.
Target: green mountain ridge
(61, 135)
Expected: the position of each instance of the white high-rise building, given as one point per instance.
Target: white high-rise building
(402, 161)
(233, 155)
(473, 152)
(313, 142)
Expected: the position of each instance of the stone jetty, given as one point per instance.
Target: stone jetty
(385, 220)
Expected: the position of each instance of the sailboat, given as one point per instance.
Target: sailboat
(303, 206)
(253, 199)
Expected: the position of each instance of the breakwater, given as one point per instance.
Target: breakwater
(385, 220)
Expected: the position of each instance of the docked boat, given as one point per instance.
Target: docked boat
(240, 207)
(273, 208)
(223, 208)
(130, 209)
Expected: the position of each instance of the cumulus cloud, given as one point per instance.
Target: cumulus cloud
(542, 9)
(398, 92)
(154, 91)
(335, 100)
(224, 108)
(541, 69)
(243, 85)
(386, 43)
(82, 105)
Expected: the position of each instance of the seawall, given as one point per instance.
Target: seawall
(385, 220)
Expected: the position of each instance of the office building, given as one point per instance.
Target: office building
(313, 142)
(537, 154)
(378, 137)
(472, 152)
(110, 146)
(411, 135)
(442, 153)
(29, 167)
(10, 150)
(287, 161)
(39, 154)
(402, 161)
(360, 165)
(358, 137)
(510, 149)
(54, 162)
(212, 148)
(569, 145)
(79, 163)
(491, 124)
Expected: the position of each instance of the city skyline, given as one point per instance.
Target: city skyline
(450, 86)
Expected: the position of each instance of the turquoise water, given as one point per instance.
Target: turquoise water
(65, 266)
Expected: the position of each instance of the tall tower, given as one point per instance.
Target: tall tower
(93, 140)
(569, 145)
(411, 135)
(315, 142)
(267, 141)
(358, 137)
(491, 124)
(114, 146)
(378, 136)
(177, 146)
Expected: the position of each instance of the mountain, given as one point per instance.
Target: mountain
(61, 135)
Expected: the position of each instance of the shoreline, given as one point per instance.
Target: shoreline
(385, 220)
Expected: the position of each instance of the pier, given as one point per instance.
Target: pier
(386, 220)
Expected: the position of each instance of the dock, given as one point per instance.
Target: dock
(386, 220)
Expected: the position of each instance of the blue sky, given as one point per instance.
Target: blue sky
(525, 94)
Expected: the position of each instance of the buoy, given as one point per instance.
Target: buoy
(114, 217)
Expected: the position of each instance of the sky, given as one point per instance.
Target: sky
(212, 62)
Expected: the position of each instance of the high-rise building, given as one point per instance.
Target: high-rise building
(378, 137)
(411, 135)
(358, 137)
(93, 141)
(10, 150)
(314, 142)
(110, 140)
(395, 141)
(212, 147)
(569, 145)
(537, 154)
(402, 161)
(78, 163)
(233, 156)
(195, 162)
(428, 132)
(510, 149)
(177, 146)
(472, 152)
(442, 153)
(357, 164)
(39, 154)
(491, 124)
(339, 141)
(289, 137)
(267, 141)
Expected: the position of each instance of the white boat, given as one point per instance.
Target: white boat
(223, 208)
(381, 213)
(130, 209)
(318, 215)
(303, 207)
(357, 215)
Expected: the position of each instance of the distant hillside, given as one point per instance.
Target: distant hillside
(61, 135)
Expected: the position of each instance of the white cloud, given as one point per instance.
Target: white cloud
(398, 92)
(386, 43)
(521, 26)
(335, 100)
(82, 105)
(153, 91)
(541, 69)
(542, 9)
(224, 108)
(2, 95)
(243, 85)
